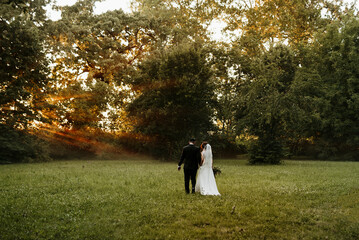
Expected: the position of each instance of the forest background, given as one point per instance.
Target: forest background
(283, 82)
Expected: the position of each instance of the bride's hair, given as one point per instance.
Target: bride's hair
(203, 145)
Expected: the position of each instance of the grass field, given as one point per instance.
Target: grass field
(138, 199)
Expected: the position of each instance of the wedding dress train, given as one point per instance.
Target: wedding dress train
(206, 183)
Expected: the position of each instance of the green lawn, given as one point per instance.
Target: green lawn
(136, 199)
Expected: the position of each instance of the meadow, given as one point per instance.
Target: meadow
(145, 199)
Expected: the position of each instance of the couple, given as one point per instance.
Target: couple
(193, 156)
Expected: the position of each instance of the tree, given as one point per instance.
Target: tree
(23, 74)
(224, 136)
(260, 24)
(181, 19)
(336, 62)
(275, 81)
(93, 56)
(100, 53)
(23, 70)
(175, 98)
(265, 103)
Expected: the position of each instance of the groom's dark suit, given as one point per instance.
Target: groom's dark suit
(191, 156)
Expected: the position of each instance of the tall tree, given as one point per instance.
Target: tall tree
(265, 103)
(23, 73)
(223, 138)
(95, 54)
(336, 60)
(23, 70)
(175, 98)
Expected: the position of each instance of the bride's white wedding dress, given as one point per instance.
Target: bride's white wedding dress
(206, 183)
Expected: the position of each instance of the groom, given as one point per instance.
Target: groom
(191, 156)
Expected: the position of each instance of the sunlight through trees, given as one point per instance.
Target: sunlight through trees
(282, 81)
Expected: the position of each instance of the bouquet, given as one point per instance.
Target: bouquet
(216, 171)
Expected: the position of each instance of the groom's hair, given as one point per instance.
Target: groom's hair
(192, 140)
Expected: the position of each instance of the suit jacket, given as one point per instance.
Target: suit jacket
(191, 156)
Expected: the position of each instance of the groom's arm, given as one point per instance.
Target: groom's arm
(181, 160)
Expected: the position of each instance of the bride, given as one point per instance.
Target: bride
(206, 183)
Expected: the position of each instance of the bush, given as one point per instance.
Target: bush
(265, 151)
(223, 146)
(21, 146)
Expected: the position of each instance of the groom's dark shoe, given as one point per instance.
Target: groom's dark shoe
(193, 191)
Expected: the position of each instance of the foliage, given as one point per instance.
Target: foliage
(265, 150)
(21, 146)
(286, 79)
(181, 20)
(224, 146)
(336, 62)
(23, 64)
(226, 86)
(87, 143)
(264, 105)
(93, 55)
(175, 98)
(24, 75)
(257, 24)
(102, 46)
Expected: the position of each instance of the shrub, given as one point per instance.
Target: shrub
(21, 146)
(265, 151)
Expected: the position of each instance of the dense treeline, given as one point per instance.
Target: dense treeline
(284, 83)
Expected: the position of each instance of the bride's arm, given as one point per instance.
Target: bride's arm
(202, 159)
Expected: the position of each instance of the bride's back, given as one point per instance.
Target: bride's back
(207, 156)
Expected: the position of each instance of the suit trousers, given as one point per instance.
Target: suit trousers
(189, 174)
